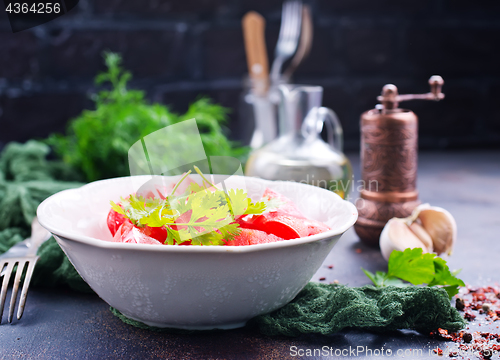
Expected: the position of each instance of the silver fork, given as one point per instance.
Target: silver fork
(291, 18)
(22, 254)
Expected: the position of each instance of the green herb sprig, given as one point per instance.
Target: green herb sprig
(97, 142)
(413, 266)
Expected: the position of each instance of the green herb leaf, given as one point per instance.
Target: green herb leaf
(226, 233)
(377, 278)
(393, 281)
(272, 204)
(412, 266)
(417, 268)
(381, 279)
(443, 275)
(203, 215)
(451, 290)
(117, 208)
(241, 204)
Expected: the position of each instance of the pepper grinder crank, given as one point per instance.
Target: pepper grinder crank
(389, 149)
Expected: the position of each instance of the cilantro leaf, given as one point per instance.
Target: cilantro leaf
(203, 215)
(417, 268)
(241, 204)
(137, 208)
(394, 281)
(159, 216)
(451, 290)
(272, 204)
(445, 277)
(381, 279)
(172, 236)
(412, 266)
(194, 187)
(117, 208)
(228, 231)
(377, 278)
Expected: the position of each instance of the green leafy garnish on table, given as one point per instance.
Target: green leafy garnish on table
(97, 142)
(203, 214)
(417, 268)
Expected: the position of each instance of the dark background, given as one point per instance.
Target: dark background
(179, 49)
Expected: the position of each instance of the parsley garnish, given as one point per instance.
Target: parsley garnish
(417, 268)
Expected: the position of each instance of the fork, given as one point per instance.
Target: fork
(291, 18)
(22, 254)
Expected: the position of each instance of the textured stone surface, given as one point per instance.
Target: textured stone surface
(59, 324)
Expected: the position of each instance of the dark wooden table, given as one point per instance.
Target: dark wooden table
(67, 325)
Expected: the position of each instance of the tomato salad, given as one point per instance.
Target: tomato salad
(204, 215)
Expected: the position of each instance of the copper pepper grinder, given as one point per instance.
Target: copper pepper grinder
(389, 160)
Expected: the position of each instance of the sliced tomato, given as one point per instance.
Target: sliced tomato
(261, 237)
(315, 227)
(188, 242)
(123, 230)
(286, 222)
(114, 221)
(240, 240)
(158, 233)
(128, 233)
(282, 225)
(182, 219)
(251, 237)
(288, 207)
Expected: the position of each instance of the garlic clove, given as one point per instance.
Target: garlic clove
(397, 235)
(423, 235)
(440, 225)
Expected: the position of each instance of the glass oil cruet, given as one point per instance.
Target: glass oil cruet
(299, 153)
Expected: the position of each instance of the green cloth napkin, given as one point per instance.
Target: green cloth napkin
(26, 179)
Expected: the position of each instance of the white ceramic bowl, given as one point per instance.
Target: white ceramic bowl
(191, 287)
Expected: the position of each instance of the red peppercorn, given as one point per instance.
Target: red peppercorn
(469, 316)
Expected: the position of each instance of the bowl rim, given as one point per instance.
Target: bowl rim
(191, 249)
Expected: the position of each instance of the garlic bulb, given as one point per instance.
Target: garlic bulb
(423, 235)
(428, 227)
(441, 227)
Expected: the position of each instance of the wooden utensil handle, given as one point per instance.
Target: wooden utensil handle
(255, 46)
